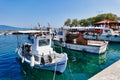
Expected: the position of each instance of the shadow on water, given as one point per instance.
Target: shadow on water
(83, 65)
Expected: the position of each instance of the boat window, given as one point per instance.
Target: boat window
(60, 33)
(44, 42)
(107, 31)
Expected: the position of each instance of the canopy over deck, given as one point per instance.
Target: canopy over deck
(115, 25)
(108, 22)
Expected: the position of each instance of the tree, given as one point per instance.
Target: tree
(67, 22)
(74, 22)
(91, 20)
(108, 16)
(84, 22)
(111, 16)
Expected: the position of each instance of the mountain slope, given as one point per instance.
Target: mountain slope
(5, 27)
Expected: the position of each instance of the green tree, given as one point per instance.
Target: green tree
(74, 22)
(108, 16)
(67, 22)
(84, 22)
(101, 17)
(111, 16)
(91, 20)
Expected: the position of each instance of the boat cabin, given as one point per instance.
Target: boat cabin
(42, 45)
(100, 31)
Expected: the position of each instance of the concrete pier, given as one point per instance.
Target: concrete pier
(20, 31)
(110, 73)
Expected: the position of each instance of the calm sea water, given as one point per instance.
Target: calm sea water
(81, 66)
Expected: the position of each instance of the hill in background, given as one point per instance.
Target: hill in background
(6, 27)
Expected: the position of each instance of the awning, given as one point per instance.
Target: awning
(107, 22)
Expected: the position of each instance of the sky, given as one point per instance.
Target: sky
(28, 13)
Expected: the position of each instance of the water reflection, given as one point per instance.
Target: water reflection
(29, 73)
(82, 56)
(82, 64)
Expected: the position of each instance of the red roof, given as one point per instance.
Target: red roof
(107, 21)
(97, 30)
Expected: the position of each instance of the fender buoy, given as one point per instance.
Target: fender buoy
(32, 61)
(23, 59)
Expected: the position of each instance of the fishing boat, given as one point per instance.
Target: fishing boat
(72, 38)
(101, 33)
(40, 54)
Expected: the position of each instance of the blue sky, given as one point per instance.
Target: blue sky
(27, 13)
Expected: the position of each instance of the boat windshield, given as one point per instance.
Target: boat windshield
(44, 42)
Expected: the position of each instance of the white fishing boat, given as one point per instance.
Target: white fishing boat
(72, 38)
(100, 33)
(41, 55)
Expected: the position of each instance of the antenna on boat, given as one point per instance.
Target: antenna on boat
(48, 24)
(49, 28)
(40, 28)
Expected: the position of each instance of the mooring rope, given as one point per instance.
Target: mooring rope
(70, 70)
(24, 40)
(18, 42)
(68, 65)
(55, 71)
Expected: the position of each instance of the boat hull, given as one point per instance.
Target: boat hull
(59, 66)
(84, 48)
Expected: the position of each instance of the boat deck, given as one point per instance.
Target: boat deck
(110, 73)
(97, 43)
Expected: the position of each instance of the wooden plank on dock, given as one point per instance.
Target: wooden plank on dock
(110, 73)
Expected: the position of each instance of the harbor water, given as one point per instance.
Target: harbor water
(81, 65)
